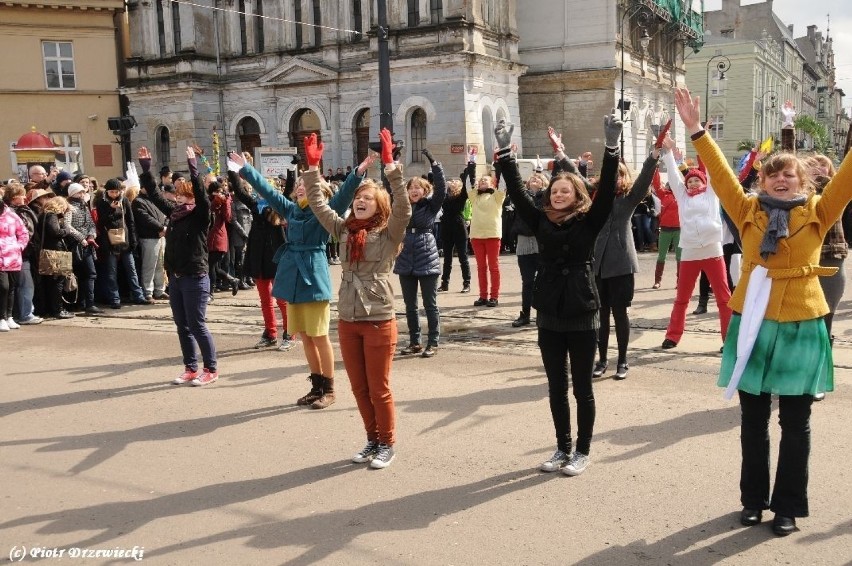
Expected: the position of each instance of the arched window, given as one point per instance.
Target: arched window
(248, 133)
(362, 134)
(487, 133)
(418, 135)
(303, 124)
(163, 146)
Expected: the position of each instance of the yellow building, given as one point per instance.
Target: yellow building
(59, 74)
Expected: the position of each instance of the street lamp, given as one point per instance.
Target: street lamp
(644, 18)
(722, 66)
(773, 100)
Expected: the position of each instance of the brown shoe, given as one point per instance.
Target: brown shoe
(411, 349)
(315, 392)
(327, 397)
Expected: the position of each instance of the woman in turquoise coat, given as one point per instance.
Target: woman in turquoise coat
(302, 277)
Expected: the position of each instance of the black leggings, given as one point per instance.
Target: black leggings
(616, 294)
(455, 237)
(556, 349)
(8, 290)
(216, 271)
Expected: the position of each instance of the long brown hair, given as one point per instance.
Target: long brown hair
(582, 200)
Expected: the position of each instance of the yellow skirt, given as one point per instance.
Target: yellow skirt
(311, 318)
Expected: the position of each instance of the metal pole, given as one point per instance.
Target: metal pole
(385, 115)
(219, 78)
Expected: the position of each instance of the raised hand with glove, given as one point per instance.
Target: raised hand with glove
(313, 151)
(612, 130)
(429, 156)
(503, 134)
(387, 147)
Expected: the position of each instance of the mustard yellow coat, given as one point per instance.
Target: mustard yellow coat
(796, 294)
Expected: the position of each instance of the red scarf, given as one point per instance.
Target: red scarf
(358, 235)
(698, 191)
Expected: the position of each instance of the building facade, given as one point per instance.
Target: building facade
(585, 57)
(61, 76)
(269, 72)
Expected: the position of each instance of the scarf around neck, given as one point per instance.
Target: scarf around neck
(698, 191)
(559, 216)
(484, 191)
(358, 236)
(181, 211)
(779, 218)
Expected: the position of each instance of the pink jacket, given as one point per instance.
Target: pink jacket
(13, 239)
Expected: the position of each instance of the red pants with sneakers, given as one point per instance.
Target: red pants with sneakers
(367, 348)
(689, 271)
(264, 290)
(487, 252)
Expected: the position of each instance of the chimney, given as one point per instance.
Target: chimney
(811, 31)
(790, 29)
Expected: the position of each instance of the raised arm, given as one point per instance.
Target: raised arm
(401, 206)
(602, 205)
(202, 203)
(276, 200)
(642, 184)
(439, 186)
(525, 206)
(341, 200)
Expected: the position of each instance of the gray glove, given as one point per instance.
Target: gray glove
(612, 129)
(503, 133)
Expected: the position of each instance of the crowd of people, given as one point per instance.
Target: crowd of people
(769, 240)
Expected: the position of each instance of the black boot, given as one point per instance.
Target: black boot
(702, 305)
(445, 286)
(315, 392)
(327, 397)
(522, 320)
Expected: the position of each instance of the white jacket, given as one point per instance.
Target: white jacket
(700, 219)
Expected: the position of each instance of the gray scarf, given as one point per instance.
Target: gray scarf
(779, 216)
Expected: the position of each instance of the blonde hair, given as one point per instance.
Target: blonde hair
(423, 183)
(542, 178)
(627, 176)
(57, 205)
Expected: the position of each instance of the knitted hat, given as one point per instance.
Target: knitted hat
(63, 176)
(695, 172)
(75, 188)
(165, 170)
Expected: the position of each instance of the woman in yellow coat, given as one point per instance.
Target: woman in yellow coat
(780, 305)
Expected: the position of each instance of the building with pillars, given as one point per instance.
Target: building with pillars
(584, 57)
(260, 75)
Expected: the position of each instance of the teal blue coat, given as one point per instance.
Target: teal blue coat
(302, 274)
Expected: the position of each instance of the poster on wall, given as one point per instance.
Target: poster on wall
(274, 161)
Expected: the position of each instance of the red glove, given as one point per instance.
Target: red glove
(313, 152)
(387, 146)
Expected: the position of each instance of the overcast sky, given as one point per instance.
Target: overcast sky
(802, 13)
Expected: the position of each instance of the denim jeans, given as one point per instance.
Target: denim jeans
(643, 231)
(23, 309)
(188, 298)
(129, 265)
(429, 290)
(84, 269)
(790, 494)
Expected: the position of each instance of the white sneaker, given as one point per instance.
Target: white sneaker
(31, 320)
(576, 465)
(4, 326)
(287, 343)
(556, 462)
(12, 324)
(383, 457)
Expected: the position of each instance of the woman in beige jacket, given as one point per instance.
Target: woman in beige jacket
(370, 238)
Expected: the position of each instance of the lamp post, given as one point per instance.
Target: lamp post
(644, 17)
(722, 66)
(773, 99)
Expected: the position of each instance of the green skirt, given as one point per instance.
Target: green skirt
(789, 358)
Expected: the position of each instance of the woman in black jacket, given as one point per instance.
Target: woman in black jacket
(54, 229)
(565, 295)
(266, 236)
(454, 228)
(186, 267)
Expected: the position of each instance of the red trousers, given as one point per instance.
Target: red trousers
(689, 271)
(264, 290)
(367, 348)
(487, 252)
